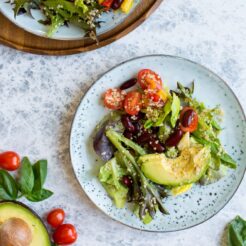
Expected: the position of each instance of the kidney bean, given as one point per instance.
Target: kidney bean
(128, 134)
(127, 180)
(137, 117)
(174, 138)
(156, 146)
(116, 4)
(129, 83)
(144, 138)
(127, 123)
(188, 118)
(137, 127)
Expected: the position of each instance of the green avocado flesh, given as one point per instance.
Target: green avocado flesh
(188, 168)
(40, 236)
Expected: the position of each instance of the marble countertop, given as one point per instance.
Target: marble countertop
(39, 96)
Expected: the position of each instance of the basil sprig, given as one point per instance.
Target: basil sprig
(30, 182)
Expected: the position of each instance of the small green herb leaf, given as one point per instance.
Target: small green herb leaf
(8, 185)
(26, 181)
(40, 195)
(148, 124)
(40, 173)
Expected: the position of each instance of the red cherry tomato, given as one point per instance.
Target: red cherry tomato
(188, 119)
(56, 217)
(65, 234)
(148, 79)
(133, 104)
(114, 99)
(9, 160)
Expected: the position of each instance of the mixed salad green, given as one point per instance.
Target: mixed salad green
(157, 142)
(82, 13)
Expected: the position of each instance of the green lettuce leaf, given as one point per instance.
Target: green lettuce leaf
(175, 108)
(110, 176)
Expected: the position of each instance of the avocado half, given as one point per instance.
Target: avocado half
(18, 215)
(188, 168)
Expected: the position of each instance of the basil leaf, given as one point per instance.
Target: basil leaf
(228, 161)
(26, 181)
(40, 173)
(8, 184)
(4, 195)
(175, 108)
(40, 195)
(237, 232)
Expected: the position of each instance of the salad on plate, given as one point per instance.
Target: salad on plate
(82, 13)
(156, 143)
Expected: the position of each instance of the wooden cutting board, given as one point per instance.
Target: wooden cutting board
(15, 37)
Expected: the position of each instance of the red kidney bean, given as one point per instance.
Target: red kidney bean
(137, 126)
(127, 180)
(137, 117)
(129, 83)
(128, 134)
(116, 4)
(156, 146)
(174, 138)
(188, 118)
(144, 138)
(127, 123)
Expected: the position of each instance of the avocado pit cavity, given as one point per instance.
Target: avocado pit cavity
(15, 232)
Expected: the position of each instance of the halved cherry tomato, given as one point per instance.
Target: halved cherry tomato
(114, 99)
(133, 104)
(65, 234)
(148, 79)
(188, 120)
(9, 160)
(107, 4)
(56, 217)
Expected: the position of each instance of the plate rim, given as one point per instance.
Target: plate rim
(108, 71)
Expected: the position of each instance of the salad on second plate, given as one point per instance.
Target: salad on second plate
(82, 13)
(157, 142)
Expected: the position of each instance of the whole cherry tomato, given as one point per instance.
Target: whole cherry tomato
(9, 160)
(132, 103)
(188, 119)
(114, 99)
(56, 217)
(65, 234)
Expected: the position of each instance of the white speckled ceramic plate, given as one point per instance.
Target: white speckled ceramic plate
(200, 203)
(109, 21)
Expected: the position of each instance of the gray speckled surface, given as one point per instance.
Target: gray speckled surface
(39, 96)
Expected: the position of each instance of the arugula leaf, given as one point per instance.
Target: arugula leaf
(8, 185)
(26, 181)
(40, 173)
(39, 195)
(228, 161)
(175, 108)
(185, 91)
(237, 232)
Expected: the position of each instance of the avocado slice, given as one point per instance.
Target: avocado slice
(19, 225)
(188, 168)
